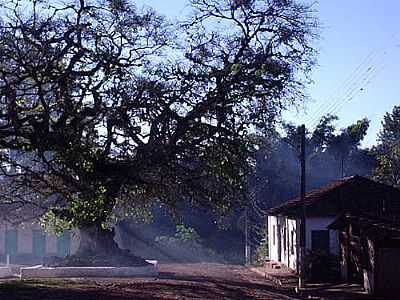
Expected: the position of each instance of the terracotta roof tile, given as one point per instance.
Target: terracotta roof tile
(346, 194)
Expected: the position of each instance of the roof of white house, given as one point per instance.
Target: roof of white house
(350, 194)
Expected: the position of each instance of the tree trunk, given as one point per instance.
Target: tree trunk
(94, 240)
(98, 249)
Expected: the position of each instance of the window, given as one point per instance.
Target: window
(11, 241)
(63, 244)
(320, 240)
(38, 243)
(273, 234)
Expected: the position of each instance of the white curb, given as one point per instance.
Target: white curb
(61, 272)
(5, 272)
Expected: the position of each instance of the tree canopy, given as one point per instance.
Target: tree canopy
(104, 105)
(388, 149)
(330, 154)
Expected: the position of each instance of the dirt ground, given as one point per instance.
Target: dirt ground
(176, 281)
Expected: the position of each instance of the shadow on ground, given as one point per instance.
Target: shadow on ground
(189, 281)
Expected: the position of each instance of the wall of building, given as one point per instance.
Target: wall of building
(51, 244)
(284, 234)
(75, 241)
(272, 241)
(289, 241)
(25, 242)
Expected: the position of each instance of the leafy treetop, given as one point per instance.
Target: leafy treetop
(105, 106)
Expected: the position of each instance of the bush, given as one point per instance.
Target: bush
(186, 246)
(261, 253)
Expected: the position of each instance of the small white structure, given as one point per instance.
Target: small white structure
(27, 243)
(322, 207)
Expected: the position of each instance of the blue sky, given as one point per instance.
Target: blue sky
(359, 61)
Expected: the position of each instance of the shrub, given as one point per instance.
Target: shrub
(186, 246)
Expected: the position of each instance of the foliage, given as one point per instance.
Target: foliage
(186, 245)
(182, 234)
(388, 149)
(262, 251)
(185, 234)
(105, 105)
(51, 223)
(330, 154)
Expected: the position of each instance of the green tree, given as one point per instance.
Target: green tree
(344, 146)
(105, 107)
(330, 154)
(388, 149)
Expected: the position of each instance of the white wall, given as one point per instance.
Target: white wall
(288, 257)
(51, 244)
(24, 240)
(272, 247)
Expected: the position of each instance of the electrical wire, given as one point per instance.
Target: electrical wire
(362, 76)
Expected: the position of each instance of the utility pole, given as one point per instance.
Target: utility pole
(342, 166)
(246, 238)
(302, 133)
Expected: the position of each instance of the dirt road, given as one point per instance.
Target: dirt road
(176, 281)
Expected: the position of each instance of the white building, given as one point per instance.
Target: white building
(322, 207)
(28, 244)
(24, 242)
(284, 234)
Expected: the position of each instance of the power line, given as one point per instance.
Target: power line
(348, 95)
(347, 88)
(353, 84)
(350, 78)
(359, 91)
(364, 81)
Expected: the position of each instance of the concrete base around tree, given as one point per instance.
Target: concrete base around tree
(5, 272)
(64, 272)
